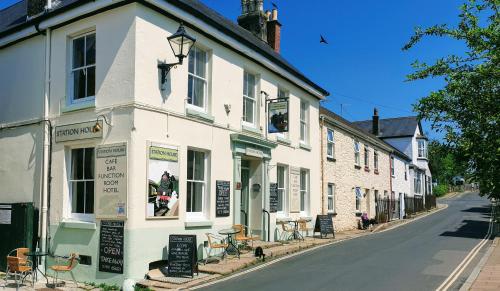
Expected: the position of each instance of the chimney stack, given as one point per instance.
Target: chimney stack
(375, 123)
(274, 30)
(253, 18)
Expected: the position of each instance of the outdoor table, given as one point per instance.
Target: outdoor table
(296, 233)
(35, 257)
(230, 242)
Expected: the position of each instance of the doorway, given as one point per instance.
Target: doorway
(245, 191)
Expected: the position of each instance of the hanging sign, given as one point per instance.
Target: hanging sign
(294, 189)
(111, 181)
(77, 131)
(273, 197)
(324, 225)
(222, 198)
(111, 246)
(182, 255)
(163, 181)
(277, 115)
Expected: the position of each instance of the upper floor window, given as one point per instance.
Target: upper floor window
(375, 160)
(83, 64)
(81, 183)
(304, 121)
(422, 149)
(196, 182)
(330, 144)
(197, 78)
(249, 98)
(331, 197)
(392, 166)
(357, 158)
(367, 157)
(406, 173)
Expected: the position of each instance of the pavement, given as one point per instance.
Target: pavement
(415, 256)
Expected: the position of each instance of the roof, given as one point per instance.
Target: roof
(15, 17)
(391, 127)
(353, 127)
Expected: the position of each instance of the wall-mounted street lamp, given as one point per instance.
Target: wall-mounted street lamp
(181, 43)
(98, 127)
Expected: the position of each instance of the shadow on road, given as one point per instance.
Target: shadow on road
(483, 209)
(470, 229)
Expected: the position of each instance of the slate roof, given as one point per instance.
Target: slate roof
(15, 17)
(351, 125)
(391, 127)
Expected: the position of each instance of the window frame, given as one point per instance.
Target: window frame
(357, 205)
(331, 197)
(205, 106)
(422, 150)
(255, 100)
(330, 143)
(375, 160)
(357, 154)
(86, 217)
(283, 212)
(304, 192)
(198, 215)
(304, 122)
(366, 156)
(393, 167)
(70, 78)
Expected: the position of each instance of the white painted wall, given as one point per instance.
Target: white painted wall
(399, 183)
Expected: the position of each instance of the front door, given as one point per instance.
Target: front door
(244, 205)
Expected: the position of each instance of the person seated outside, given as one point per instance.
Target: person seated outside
(365, 220)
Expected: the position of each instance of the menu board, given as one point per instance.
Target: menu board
(294, 189)
(111, 246)
(273, 197)
(111, 181)
(324, 225)
(182, 255)
(222, 198)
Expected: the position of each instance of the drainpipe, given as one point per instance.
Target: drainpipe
(390, 179)
(321, 125)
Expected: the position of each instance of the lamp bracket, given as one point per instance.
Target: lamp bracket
(165, 69)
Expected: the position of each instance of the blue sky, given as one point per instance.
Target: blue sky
(363, 66)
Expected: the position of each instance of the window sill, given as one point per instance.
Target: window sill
(357, 167)
(304, 146)
(367, 169)
(376, 172)
(283, 140)
(358, 213)
(198, 223)
(422, 158)
(332, 213)
(75, 224)
(78, 106)
(330, 159)
(199, 115)
(250, 129)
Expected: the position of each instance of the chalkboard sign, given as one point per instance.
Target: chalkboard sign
(273, 197)
(111, 246)
(222, 196)
(182, 255)
(324, 225)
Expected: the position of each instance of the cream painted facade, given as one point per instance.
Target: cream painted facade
(345, 175)
(130, 40)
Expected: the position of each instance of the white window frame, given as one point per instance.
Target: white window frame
(304, 193)
(375, 159)
(393, 167)
(254, 100)
(366, 156)
(331, 197)
(357, 197)
(422, 148)
(198, 215)
(203, 108)
(283, 212)
(71, 70)
(88, 217)
(357, 155)
(304, 122)
(330, 143)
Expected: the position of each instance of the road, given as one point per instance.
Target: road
(416, 256)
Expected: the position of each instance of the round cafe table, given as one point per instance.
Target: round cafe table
(231, 247)
(35, 257)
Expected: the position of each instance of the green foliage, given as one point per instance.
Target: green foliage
(103, 286)
(445, 162)
(139, 288)
(467, 108)
(440, 190)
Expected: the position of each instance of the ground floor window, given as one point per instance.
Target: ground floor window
(358, 195)
(81, 183)
(304, 190)
(282, 188)
(196, 181)
(331, 197)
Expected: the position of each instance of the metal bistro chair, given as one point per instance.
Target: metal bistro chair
(304, 228)
(241, 237)
(287, 231)
(215, 242)
(71, 263)
(21, 254)
(18, 270)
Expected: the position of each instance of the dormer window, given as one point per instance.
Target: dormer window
(422, 148)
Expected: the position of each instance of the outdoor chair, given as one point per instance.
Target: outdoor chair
(71, 263)
(286, 231)
(18, 270)
(21, 254)
(241, 237)
(304, 228)
(215, 242)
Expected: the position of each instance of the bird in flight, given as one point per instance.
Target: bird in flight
(322, 40)
(274, 5)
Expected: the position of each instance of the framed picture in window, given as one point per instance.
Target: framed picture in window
(163, 181)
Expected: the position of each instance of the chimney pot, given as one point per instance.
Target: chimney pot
(275, 14)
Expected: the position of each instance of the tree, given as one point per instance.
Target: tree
(467, 108)
(444, 163)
